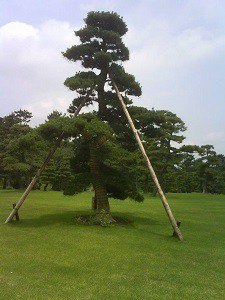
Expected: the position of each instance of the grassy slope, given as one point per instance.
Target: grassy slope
(46, 256)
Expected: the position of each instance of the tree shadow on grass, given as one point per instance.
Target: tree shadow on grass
(133, 219)
(64, 219)
(68, 219)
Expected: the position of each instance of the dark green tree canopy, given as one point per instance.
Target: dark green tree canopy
(18, 142)
(90, 138)
(101, 41)
(101, 51)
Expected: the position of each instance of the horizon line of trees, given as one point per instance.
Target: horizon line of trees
(180, 168)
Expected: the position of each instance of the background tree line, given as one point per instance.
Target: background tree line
(180, 168)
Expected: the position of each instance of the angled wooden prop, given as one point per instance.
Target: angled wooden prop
(149, 165)
(40, 170)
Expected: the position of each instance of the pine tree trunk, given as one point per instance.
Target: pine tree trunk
(94, 203)
(101, 93)
(45, 187)
(5, 183)
(21, 184)
(204, 188)
(100, 190)
(154, 192)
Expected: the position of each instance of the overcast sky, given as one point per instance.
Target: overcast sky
(177, 53)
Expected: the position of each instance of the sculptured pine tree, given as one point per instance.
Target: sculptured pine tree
(101, 52)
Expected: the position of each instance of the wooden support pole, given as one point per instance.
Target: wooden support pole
(178, 224)
(41, 169)
(17, 214)
(149, 165)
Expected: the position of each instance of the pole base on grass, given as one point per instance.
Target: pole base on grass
(178, 225)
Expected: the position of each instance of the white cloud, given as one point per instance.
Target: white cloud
(181, 70)
(161, 48)
(32, 67)
(17, 31)
(166, 62)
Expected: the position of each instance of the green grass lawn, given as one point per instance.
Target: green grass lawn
(47, 256)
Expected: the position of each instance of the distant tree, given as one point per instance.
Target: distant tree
(53, 115)
(23, 116)
(162, 133)
(200, 170)
(19, 149)
(219, 174)
(206, 164)
(58, 171)
(185, 177)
